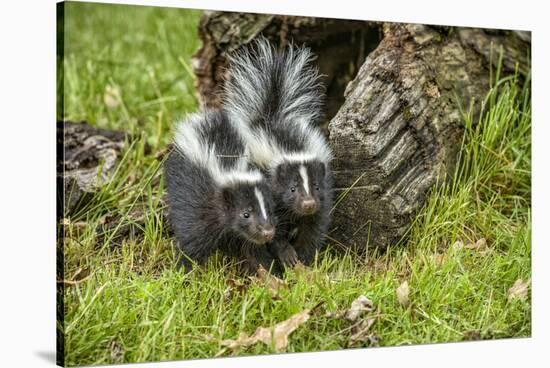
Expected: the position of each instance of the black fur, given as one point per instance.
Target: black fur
(300, 235)
(271, 82)
(206, 216)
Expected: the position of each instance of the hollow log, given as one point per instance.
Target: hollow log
(394, 93)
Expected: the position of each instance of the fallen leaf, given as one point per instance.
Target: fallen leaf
(519, 290)
(361, 324)
(117, 353)
(403, 293)
(457, 245)
(360, 332)
(439, 259)
(236, 284)
(273, 283)
(276, 336)
(481, 243)
(473, 335)
(480, 247)
(359, 306)
(242, 341)
(374, 340)
(279, 334)
(111, 97)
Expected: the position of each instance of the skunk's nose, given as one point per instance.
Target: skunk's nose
(268, 233)
(309, 206)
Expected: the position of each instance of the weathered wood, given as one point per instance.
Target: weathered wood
(87, 160)
(400, 128)
(396, 128)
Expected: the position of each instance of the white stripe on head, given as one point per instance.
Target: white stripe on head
(296, 157)
(260, 198)
(305, 179)
(235, 177)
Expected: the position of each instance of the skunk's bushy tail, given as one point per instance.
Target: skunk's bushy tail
(267, 86)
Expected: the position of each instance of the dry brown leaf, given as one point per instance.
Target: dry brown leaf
(403, 293)
(111, 98)
(236, 285)
(458, 245)
(519, 290)
(481, 243)
(472, 335)
(360, 331)
(480, 247)
(359, 306)
(117, 352)
(273, 283)
(277, 336)
(360, 328)
(242, 341)
(439, 259)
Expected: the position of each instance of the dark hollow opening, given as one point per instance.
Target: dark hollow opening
(340, 55)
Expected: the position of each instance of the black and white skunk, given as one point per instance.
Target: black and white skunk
(215, 200)
(274, 99)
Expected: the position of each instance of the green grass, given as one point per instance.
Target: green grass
(132, 306)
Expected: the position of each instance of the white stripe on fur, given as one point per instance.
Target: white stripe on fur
(260, 198)
(190, 144)
(305, 178)
(230, 178)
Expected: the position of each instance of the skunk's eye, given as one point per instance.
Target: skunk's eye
(316, 187)
(246, 215)
(292, 189)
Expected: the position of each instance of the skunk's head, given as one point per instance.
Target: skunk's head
(248, 211)
(300, 186)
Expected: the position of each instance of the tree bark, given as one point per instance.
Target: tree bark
(396, 128)
(86, 159)
(400, 128)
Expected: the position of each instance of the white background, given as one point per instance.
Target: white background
(27, 180)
